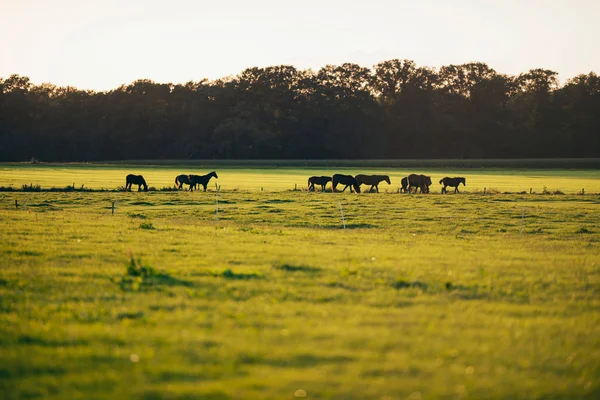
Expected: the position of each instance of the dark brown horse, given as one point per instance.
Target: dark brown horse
(347, 180)
(452, 182)
(419, 181)
(318, 180)
(135, 180)
(201, 180)
(373, 180)
(404, 183)
(182, 179)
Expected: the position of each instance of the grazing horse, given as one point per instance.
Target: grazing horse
(135, 180)
(318, 180)
(372, 180)
(452, 182)
(419, 181)
(201, 180)
(181, 179)
(347, 180)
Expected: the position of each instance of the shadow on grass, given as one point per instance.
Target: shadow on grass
(229, 274)
(293, 361)
(297, 268)
(140, 277)
(47, 342)
(210, 395)
(402, 284)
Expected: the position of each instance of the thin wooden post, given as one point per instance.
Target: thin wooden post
(217, 206)
(113, 208)
(484, 190)
(582, 191)
(16, 203)
(530, 190)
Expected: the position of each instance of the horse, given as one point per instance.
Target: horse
(404, 183)
(372, 180)
(347, 180)
(135, 180)
(201, 180)
(181, 179)
(419, 181)
(318, 180)
(453, 182)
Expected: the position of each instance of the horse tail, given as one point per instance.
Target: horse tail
(441, 180)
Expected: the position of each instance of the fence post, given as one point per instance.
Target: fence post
(530, 190)
(582, 191)
(16, 203)
(113, 208)
(484, 190)
(217, 206)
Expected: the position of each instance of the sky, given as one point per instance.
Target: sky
(102, 44)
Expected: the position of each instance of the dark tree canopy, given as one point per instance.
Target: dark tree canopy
(395, 110)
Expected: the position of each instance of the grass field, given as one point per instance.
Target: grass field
(278, 178)
(420, 297)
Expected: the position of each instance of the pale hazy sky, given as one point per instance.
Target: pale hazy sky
(102, 44)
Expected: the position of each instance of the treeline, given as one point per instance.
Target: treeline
(395, 110)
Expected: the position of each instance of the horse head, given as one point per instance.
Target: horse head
(387, 179)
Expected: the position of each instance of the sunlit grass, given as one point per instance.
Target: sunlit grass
(97, 176)
(421, 296)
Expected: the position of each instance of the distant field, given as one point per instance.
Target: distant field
(419, 297)
(97, 176)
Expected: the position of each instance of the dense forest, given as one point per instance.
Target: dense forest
(395, 110)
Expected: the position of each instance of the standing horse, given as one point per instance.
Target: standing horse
(452, 182)
(372, 180)
(404, 183)
(135, 180)
(347, 180)
(419, 181)
(181, 179)
(318, 180)
(201, 180)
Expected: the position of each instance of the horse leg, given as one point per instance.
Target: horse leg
(456, 189)
(376, 188)
(205, 184)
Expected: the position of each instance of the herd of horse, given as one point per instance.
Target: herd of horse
(191, 180)
(411, 183)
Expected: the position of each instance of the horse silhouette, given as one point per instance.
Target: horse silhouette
(318, 180)
(347, 180)
(201, 180)
(135, 180)
(419, 181)
(452, 182)
(372, 180)
(404, 183)
(182, 179)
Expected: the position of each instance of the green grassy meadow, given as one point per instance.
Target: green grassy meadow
(433, 296)
(278, 178)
